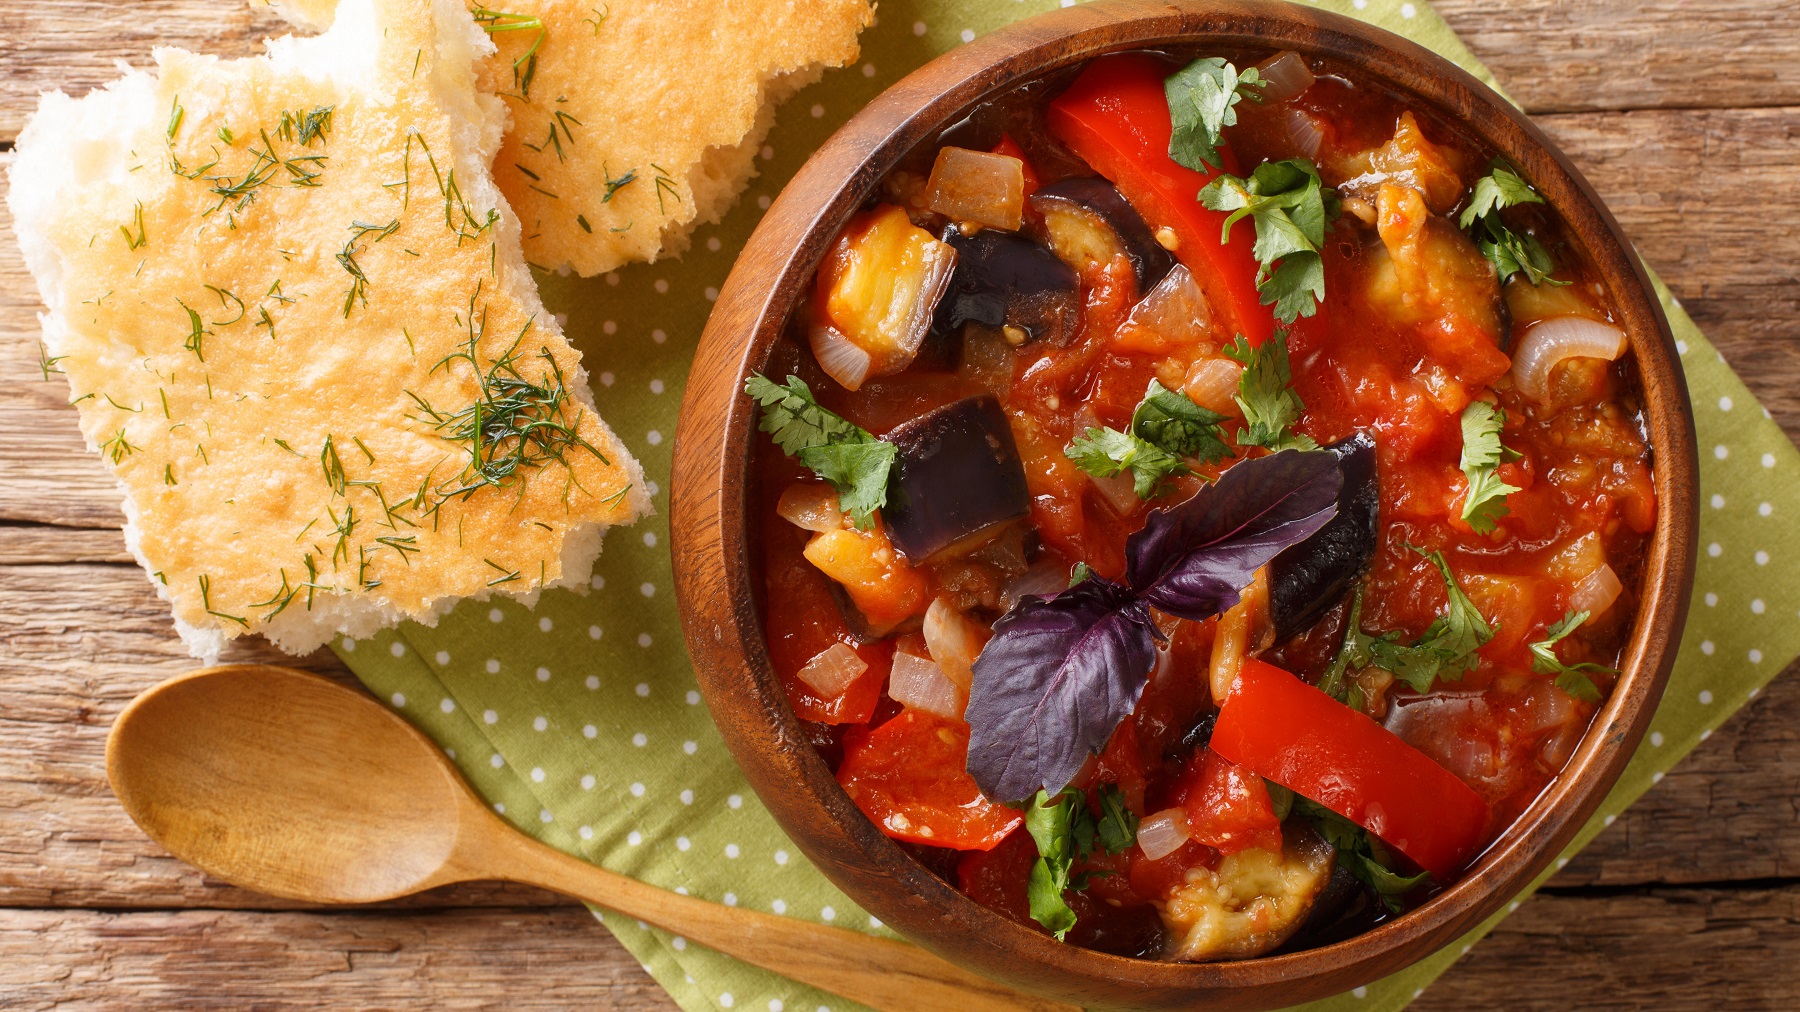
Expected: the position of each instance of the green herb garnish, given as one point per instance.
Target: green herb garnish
(1571, 678)
(1064, 829)
(1172, 421)
(1290, 208)
(1482, 454)
(1363, 856)
(1266, 395)
(842, 453)
(1105, 452)
(1510, 252)
(1201, 97)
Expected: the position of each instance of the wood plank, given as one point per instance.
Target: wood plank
(207, 959)
(1665, 949)
(75, 45)
(74, 659)
(1566, 55)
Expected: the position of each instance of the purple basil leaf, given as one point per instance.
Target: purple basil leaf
(1050, 687)
(1191, 560)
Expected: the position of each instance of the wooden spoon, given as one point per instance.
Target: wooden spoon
(289, 784)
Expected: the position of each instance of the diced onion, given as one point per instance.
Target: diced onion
(1286, 75)
(954, 641)
(811, 505)
(1303, 132)
(1596, 592)
(1119, 491)
(919, 683)
(1212, 383)
(1175, 311)
(1043, 579)
(978, 186)
(1548, 342)
(832, 670)
(839, 356)
(1162, 834)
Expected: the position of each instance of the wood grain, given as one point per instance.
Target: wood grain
(1562, 56)
(522, 959)
(1664, 949)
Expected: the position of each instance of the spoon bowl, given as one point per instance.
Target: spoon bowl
(290, 784)
(281, 824)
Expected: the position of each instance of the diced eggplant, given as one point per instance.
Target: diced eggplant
(1088, 219)
(1005, 279)
(1305, 581)
(957, 473)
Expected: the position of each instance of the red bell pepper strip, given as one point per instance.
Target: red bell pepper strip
(1297, 736)
(1115, 117)
(909, 777)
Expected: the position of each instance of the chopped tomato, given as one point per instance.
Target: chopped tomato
(1116, 118)
(804, 621)
(1227, 806)
(998, 878)
(1297, 736)
(909, 777)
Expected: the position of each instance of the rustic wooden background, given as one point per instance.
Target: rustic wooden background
(1684, 113)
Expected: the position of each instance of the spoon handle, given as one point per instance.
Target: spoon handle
(878, 972)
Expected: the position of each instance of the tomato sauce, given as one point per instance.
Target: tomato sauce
(1373, 359)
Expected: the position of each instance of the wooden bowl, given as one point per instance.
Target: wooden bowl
(717, 588)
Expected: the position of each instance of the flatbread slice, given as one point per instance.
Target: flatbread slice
(297, 324)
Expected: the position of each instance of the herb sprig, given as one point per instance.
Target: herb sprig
(1482, 454)
(1363, 855)
(1289, 207)
(1202, 98)
(1571, 678)
(1446, 650)
(1510, 252)
(1166, 427)
(1266, 395)
(1065, 829)
(839, 451)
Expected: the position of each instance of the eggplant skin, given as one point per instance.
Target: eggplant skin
(1307, 580)
(1149, 261)
(956, 473)
(1005, 278)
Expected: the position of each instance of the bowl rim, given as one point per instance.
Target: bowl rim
(711, 533)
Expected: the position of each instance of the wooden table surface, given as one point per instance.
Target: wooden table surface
(1684, 113)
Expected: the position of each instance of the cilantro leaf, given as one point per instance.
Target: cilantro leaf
(1502, 187)
(1201, 97)
(1362, 854)
(1482, 454)
(1446, 650)
(1289, 207)
(1081, 572)
(844, 454)
(1571, 678)
(1064, 830)
(1106, 452)
(1266, 395)
(1050, 821)
(1510, 252)
(1117, 825)
(1171, 421)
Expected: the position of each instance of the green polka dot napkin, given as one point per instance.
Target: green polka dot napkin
(581, 721)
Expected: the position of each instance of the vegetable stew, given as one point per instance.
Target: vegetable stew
(1203, 502)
